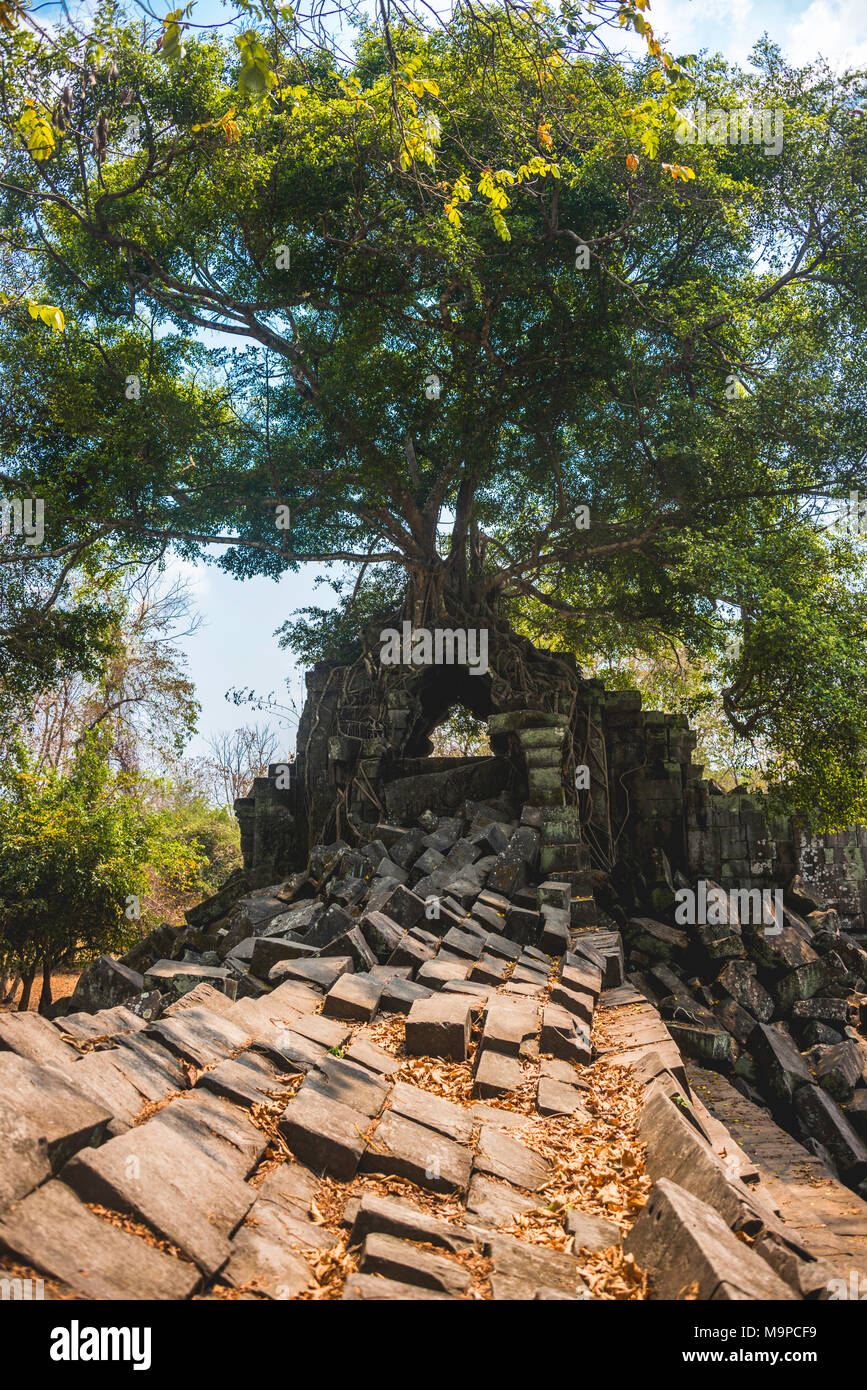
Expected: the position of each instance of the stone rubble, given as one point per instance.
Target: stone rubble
(189, 1121)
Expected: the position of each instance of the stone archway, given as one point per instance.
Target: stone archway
(364, 737)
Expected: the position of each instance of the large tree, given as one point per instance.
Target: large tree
(463, 309)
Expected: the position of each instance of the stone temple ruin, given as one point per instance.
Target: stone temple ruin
(373, 1055)
(363, 756)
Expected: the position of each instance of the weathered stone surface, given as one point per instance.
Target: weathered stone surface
(562, 1037)
(501, 1156)
(554, 938)
(781, 1065)
(333, 923)
(52, 1231)
(496, 1075)
(837, 1012)
(397, 1259)
(246, 1079)
(580, 1005)
(398, 996)
(822, 1119)
(327, 1136)
(198, 1036)
(352, 1085)
(509, 1023)
(36, 1038)
(167, 1181)
(369, 1288)
(591, 1232)
(432, 1111)
(375, 1059)
(24, 1161)
(321, 973)
(108, 1087)
(488, 970)
(556, 1098)
(738, 979)
(412, 951)
(265, 1256)
(495, 1203)
(59, 1113)
(382, 935)
(353, 996)
(202, 996)
(104, 983)
(839, 1070)
(656, 940)
(292, 1186)
(536, 1266)
(392, 1216)
(352, 943)
(401, 1148)
(439, 1027)
(177, 977)
(683, 1243)
(217, 1127)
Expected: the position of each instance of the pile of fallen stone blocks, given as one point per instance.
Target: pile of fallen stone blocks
(781, 1007)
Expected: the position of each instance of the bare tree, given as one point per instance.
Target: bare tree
(238, 756)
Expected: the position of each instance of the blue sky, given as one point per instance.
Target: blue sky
(235, 645)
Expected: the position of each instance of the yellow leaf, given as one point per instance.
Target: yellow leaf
(632, 162)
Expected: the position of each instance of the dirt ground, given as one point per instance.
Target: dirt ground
(63, 982)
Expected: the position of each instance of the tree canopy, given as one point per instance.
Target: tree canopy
(463, 308)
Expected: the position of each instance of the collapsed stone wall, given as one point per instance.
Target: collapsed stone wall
(362, 743)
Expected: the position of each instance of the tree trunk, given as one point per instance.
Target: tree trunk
(27, 978)
(45, 997)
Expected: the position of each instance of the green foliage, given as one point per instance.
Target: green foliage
(73, 848)
(392, 242)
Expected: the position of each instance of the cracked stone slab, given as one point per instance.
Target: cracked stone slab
(327, 1136)
(432, 1111)
(24, 1162)
(394, 1216)
(397, 1259)
(401, 1148)
(591, 1232)
(290, 1185)
(439, 1027)
(150, 1067)
(321, 973)
(199, 1036)
(536, 1265)
(106, 1084)
(679, 1240)
(36, 1038)
(496, 1075)
(220, 1129)
(171, 1184)
(501, 1156)
(398, 996)
(245, 1080)
(509, 1023)
(558, 1098)
(339, 1079)
(355, 997)
(54, 1232)
(492, 1203)
(376, 1059)
(65, 1118)
(265, 1254)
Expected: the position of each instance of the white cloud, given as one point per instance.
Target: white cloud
(835, 28)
